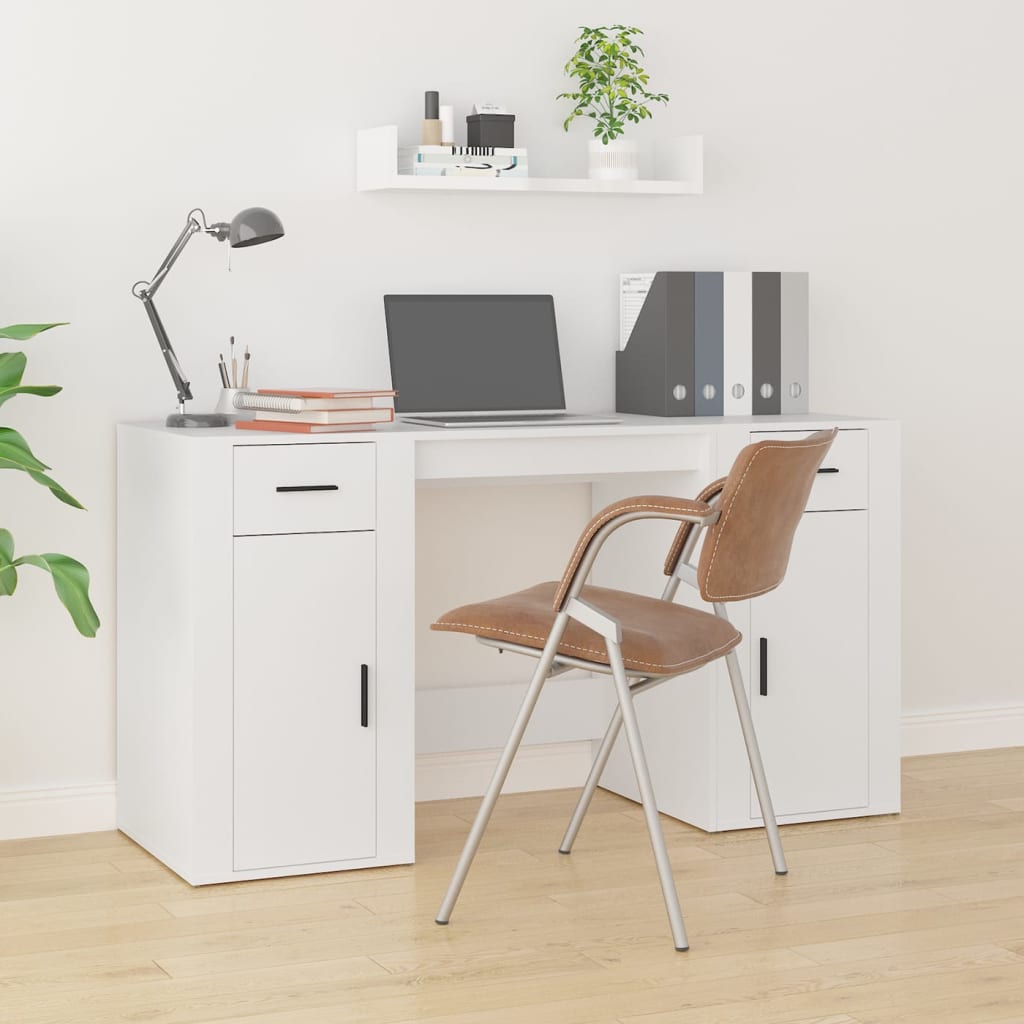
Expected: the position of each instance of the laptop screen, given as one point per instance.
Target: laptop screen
(473, 353)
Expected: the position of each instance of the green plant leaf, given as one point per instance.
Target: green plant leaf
(71, 581)
(43, 390)
(12, 368)
(8, 574)
(611, 80)
(15, 452)
(55, 488)
(22, 332)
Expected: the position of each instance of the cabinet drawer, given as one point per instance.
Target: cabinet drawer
(842, 481)
(304, 488)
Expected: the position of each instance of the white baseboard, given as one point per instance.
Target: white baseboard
(444, 776)
(944, 732)
(55, 812)
(448, 774)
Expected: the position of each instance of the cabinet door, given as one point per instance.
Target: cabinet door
(812, 723)
(305, 762)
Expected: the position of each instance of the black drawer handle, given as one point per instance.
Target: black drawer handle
(764, 666)
(364, 696)
(829, 469)
(307, 487)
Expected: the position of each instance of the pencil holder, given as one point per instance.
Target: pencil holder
(226, 403)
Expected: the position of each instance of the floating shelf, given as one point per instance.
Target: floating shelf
(680, 164)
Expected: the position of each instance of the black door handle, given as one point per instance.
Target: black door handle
(764, 666)
(364, 696)
(829, 469)
(307, 487)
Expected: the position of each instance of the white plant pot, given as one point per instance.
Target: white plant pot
(614, 161)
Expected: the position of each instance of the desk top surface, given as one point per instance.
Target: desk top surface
(400, 432)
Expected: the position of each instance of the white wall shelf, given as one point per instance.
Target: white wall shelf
(680, 169)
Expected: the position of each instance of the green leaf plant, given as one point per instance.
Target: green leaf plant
(70, 578)
(612, 87)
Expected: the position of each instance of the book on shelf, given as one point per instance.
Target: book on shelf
(413, 153)
(293, 427)
(482, 170)
(472, 171)
(363, 415)
(477, 161)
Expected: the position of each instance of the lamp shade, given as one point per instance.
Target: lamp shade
(254, 226)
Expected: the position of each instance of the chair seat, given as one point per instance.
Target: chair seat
(658, 637)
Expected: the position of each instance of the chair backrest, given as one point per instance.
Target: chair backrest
(746, 552)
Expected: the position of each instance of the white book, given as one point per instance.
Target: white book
(330, 416)
(297, 403)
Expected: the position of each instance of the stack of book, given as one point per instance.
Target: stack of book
(311, 411)
(463, 161)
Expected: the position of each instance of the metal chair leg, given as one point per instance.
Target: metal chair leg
(643, 778)
(764, 798)
(596, 771)
(483, 815)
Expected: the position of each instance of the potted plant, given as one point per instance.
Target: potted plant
(612, 91)
(70, 578)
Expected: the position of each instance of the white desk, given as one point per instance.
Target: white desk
(245, 615)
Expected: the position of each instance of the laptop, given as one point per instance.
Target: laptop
(477, 360)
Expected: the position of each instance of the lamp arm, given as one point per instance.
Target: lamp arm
(145, 290)
(171, 258)
(181, 385)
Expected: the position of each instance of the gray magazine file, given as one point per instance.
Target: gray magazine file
(708, 343)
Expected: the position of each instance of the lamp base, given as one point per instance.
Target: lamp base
(198, 419)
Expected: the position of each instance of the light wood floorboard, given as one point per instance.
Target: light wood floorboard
(909, 919)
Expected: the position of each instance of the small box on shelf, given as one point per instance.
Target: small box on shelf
(491, 130)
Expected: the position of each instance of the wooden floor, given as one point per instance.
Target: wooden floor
(912, 918)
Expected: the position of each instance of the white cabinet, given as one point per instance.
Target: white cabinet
(264, 726)
(304, 727)
(827, 639)
(808, 674)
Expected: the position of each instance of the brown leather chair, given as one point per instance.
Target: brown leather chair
(751, 516)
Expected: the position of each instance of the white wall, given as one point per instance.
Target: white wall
(876, 145)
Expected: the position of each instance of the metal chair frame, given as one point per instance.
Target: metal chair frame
(627, 685)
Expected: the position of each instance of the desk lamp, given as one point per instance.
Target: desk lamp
(250, 227)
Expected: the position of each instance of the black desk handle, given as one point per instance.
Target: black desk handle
(364, 696)
(829, 469)
(307, 487)
(764, 666)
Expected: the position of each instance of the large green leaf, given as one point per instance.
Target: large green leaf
(43, 390)
(12, 368)
(22, 332)
(71, 581)
(8, 574)
(55, 488)
(15, 452)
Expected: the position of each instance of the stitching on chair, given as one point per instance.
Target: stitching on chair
(679, 541)
(725, 518)
(709, 656)
(613, 513)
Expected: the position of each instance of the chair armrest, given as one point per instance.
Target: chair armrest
(618, 514)
(708, 494)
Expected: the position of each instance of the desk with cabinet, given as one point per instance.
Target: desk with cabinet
(266, 674)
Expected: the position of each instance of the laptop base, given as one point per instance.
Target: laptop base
(497, 419)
